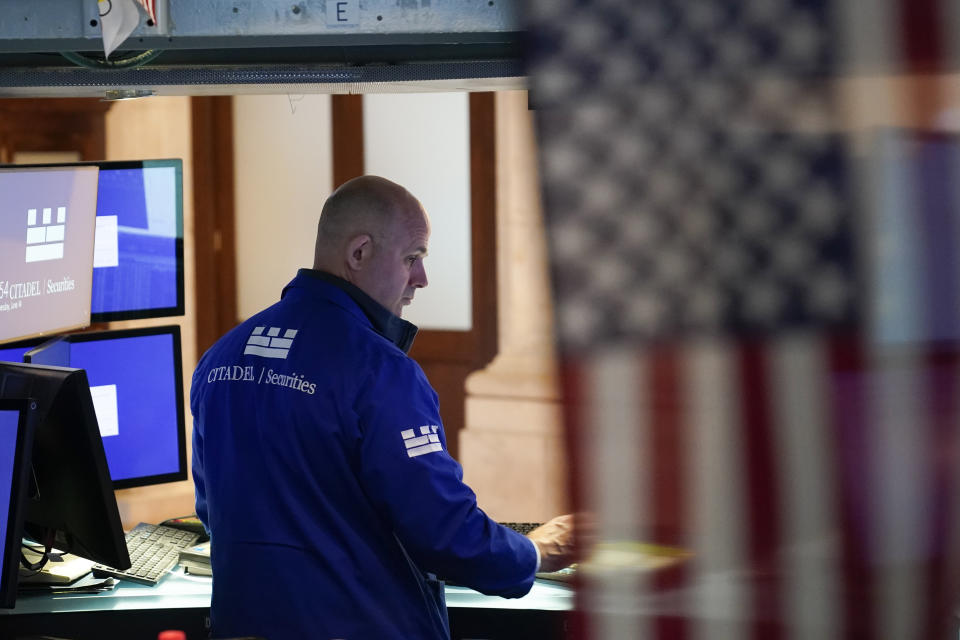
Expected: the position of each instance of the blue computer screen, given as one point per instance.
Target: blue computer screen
(13, 354)
(138, 258)
(9, 421)
(135, 385)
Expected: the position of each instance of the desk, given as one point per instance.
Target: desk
(133, 612)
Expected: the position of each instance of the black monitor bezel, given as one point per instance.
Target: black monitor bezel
(140, 314)
(86, 485)
(26, 423)
(113, 334)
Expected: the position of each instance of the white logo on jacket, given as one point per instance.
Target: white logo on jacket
(270, 345)
(427, 442)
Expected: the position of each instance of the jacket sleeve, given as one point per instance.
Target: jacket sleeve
(199, 487)
(408, 474)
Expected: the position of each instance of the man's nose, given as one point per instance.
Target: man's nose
(419, 277)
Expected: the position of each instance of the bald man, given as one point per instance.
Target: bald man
(319, 458)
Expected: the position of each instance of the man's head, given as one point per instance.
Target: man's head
(373, 233)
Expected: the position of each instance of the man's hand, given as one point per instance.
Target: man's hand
(554, 539)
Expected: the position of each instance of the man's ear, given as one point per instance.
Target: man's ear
(359, 250)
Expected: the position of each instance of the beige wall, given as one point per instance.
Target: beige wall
(160, 128)
(283, 173)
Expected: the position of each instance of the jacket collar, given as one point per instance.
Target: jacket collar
(392, 327)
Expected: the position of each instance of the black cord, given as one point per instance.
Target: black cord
(130, 61)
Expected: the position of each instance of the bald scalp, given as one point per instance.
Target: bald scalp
(365, 205)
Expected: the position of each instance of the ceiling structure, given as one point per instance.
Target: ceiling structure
(54, 48)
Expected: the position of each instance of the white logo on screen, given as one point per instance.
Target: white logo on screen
(45, 234)
(270, 345)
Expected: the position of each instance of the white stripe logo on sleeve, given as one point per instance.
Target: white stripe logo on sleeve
(427, 442)
(270, 345)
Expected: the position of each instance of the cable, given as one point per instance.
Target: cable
(36, 567)
(131, 61)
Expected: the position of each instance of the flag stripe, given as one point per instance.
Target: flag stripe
(847, 411)
(807, 482)
(898, 498)
(763, 536)
(667, 463)
(720, 603)
(620, 481)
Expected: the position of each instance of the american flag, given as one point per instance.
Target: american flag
(150, 6)
(758, 304)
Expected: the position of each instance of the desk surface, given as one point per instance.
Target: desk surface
(137, 612)
(178, 590)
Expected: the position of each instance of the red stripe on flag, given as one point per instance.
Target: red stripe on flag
(764, 535)
(848, 402)
(669, 452)
(943, 381)
(921, 45)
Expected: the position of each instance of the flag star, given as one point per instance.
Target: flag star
(737, 51)
(792, 257)
(571, 240)
(565, 161)
(703, 15)
(705, 306)
(802, 41)
(731, 262)
(756, 218)
(602, 195)
(556, 79)
(821, 208)
(639, 232)
(591, 34)
(579, 319)
(783, 172)
(610, 274)
(645, 313)
(828, 293)
(763, 302)
(673, 266)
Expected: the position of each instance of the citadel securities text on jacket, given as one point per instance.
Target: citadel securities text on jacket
(322, 473)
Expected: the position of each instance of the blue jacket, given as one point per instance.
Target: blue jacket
(321, 472)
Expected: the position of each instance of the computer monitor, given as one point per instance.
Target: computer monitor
(47, 228)
(138, 264)
(136, 382)
(71, 505)
(17, 423)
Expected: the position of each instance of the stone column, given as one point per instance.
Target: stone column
(512, 445)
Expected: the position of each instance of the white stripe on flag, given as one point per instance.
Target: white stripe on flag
(718, 512)
(808, 486)
(900, 510)
(615, 432)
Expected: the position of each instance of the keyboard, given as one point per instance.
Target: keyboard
(154, 550)
(522, 527)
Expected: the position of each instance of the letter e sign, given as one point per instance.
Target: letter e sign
(343, 13)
